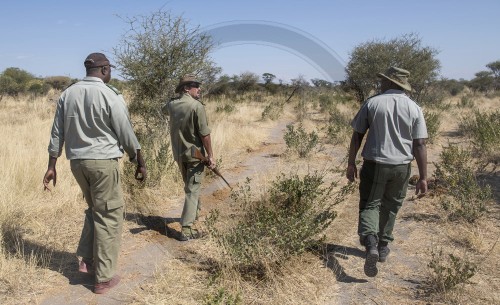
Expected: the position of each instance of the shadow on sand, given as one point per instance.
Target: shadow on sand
(330, 254)
(154, 223)
(62, 262)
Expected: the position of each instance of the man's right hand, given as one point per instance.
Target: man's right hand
(421, 188)
(211, 163)
(51, 174)
(351, 172)
(141, 173)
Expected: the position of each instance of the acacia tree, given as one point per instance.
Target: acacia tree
(154, 53)
(407, 52)
(495, 69)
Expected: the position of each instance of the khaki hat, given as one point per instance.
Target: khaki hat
(185, 80)
(398, 76)
(95, 60)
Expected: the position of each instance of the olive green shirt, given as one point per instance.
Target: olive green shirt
(188, 123)
(92, 122)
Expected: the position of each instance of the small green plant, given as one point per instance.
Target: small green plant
(272, 111)
(455, 174)
(449, 271)
(227, 108)
(299, 141)
(222, 297)
(433, 121)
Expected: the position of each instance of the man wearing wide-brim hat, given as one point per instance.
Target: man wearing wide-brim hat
(397, 136)
(189, 127)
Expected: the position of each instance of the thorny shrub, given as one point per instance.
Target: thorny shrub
(484, 131)
(432, 121)
(455, 175)
(286, 221)
(449, 271)
(338, 129)
(299, 141)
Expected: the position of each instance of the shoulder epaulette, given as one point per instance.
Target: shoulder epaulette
(70, 85)
(114, 89)
(374, 96)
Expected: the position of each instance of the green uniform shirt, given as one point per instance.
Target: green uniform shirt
(188, 123)
(92, 122)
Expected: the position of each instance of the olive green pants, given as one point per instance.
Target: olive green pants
(382, 189)
(192, 174)
(102, 229)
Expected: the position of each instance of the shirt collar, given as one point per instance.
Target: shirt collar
(394, 91)
(92, 79)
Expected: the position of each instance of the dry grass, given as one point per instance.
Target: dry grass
(40, 230)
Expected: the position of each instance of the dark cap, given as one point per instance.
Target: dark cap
(95, 60)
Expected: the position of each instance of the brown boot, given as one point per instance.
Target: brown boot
(104, 287)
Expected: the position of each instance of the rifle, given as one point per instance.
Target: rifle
(196, 153)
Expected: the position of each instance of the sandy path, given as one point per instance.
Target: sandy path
(143, 250)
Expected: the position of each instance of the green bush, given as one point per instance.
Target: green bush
(433, 121)
(339, 128)
(484, 131)
(284, 222)
(466, 102)
(462, 197)
(299, 141)
(58, 82)
(272, 111)
(449, 271)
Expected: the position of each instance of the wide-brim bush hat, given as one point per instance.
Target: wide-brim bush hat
(398, 76)
(186, 80)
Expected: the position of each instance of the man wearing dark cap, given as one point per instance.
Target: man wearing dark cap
(397, 135)
(92, 123)
(189, 127)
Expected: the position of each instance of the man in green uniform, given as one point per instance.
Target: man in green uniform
(189, 127)
(93, 124)
(397, 135)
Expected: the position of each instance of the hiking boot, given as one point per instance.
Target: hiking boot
(101, 288)
(86, 266)
(372, 256)
(383, 251)
(188, 233)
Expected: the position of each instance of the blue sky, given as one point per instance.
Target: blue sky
(52, 37)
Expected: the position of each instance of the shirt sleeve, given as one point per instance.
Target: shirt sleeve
(202, 121)
(419, 130)
(360, 122)
(57, 134)
(120, 121)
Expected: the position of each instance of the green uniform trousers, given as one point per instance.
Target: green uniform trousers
(102, 229)
(382, 189)
(192, 174)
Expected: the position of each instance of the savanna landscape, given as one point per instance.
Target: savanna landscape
(285, 232)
